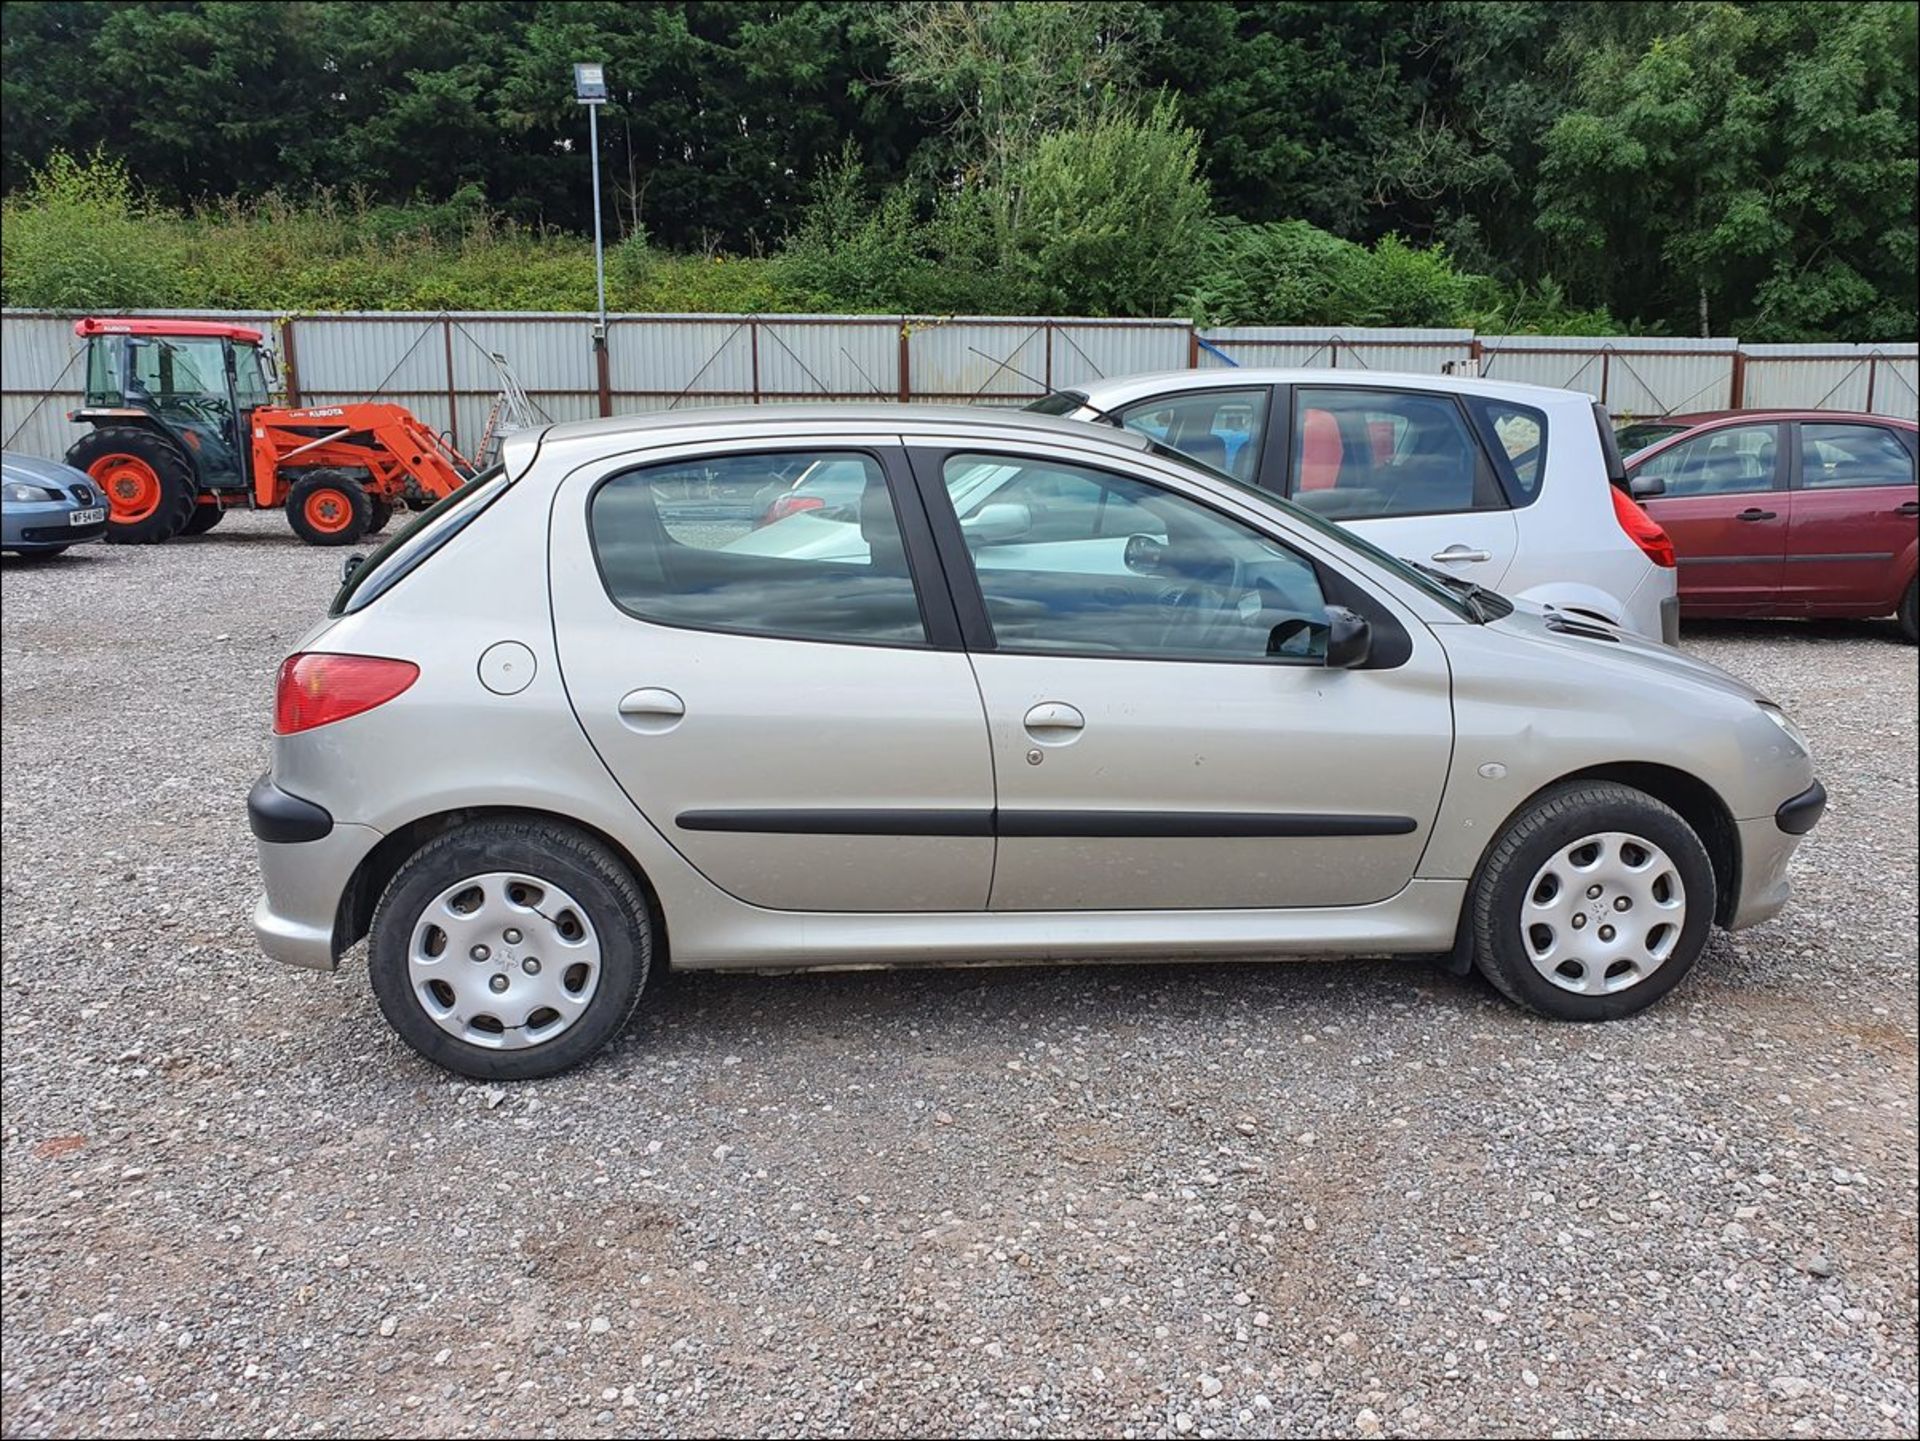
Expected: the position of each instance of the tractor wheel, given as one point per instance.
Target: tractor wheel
(329, 509)
(147, 482)
(203, 519)
(382, 513)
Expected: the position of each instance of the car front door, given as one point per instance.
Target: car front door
(1151, 753)
(788, 703)
(1404, 469)
(1851, 519)
(1724, 507)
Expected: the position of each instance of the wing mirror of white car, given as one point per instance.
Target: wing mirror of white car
(1646, 487)
(998, 523)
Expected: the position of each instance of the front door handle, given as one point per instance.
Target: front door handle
(1753, 512)
(1053, 720)
(1461, 555)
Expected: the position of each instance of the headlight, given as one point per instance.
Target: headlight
(1787, 727)
(16, 491)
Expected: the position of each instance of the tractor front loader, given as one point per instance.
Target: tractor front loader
(184, 432)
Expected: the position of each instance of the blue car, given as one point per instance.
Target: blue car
(46, 506)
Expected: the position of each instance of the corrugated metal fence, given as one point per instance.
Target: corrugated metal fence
(441, 366)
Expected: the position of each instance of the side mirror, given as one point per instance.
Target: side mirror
(997, 523)
(1349, 638)
(350, 565)
(1646, 487)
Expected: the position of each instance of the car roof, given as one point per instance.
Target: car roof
(666, 427)
(1126, 388)
(1715, 417)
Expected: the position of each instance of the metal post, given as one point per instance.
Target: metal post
(1872, 365)
(599, 254)
(453, 399)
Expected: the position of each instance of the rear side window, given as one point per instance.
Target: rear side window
(1521, 433)
(1837, 456)
(1364, 453)
(1061, 402)
(719, 543)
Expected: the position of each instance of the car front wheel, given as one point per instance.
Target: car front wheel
(1593, 904)
(510, 949)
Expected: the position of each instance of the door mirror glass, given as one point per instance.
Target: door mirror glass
(1646, 487)
(999, 522)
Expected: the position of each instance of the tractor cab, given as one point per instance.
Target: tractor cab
(196, 382)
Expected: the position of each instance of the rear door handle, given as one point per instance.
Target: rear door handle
(1908, 507)
(651, 710)
(1461, 555)
(1053, 718)
(1753, 512)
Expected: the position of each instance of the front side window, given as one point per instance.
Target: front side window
(1361, 453)
(1115, 566)
(707, 543)
(1837, 456)
(1728, 461)
(1222, 429)
(172, 370)
(249, 378)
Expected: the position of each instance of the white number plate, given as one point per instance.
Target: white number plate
(88, 517)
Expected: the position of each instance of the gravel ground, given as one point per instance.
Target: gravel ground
(1342, 1199)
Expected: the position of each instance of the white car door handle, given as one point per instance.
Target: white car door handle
(653, 703)
(1461, 555)
(1052, 717)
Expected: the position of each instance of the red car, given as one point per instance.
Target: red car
(1788, 512)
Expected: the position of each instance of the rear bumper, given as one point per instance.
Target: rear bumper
(1670, 620)
(293, 920)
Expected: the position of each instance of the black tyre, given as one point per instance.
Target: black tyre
(203, 519)
(1593, 904)
(329, 508)
(510, 949)
(1910, 613)
(382, 514)
(146, 480)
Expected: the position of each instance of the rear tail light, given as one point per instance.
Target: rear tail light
(788, 505)
(1642, 529)
(317, 689)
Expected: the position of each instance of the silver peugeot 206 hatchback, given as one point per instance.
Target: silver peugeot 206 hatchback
(1010, 689)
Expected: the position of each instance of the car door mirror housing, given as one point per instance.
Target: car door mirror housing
(1349, 638)
(999, 522)
(1646, 487)
(350, 565)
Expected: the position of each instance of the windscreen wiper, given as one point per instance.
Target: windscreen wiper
(1482, 604)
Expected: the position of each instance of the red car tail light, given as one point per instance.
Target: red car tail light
(788, 505)
(1642, 529)
(317, 689)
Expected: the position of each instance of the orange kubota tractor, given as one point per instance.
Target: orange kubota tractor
(184, 431)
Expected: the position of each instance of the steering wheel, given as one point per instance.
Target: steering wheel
(1194, 611)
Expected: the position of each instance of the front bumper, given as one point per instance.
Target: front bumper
(1766, 847)
(44, 525)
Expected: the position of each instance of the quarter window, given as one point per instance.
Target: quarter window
(1833, 457)
(1360, 453)
(1220, 428)
(719, 544)
(1087, 562)
(1522, 433)
(1727, 461)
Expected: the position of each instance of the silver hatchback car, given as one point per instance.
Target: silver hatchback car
(1041, 691)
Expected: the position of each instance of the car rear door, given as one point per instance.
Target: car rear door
(1725, 508)
(1405, 469)
(1851, 519)
(788, 703)
(1150, 752)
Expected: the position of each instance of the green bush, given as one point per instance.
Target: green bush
(80, 237)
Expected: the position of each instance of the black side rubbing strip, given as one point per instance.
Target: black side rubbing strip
(283, 819)
(1056, 825)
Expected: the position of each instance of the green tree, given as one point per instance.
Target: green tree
(1751, 170)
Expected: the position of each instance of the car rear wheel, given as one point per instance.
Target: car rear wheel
(1910, 613)
(1594, 903)
(506, 950)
